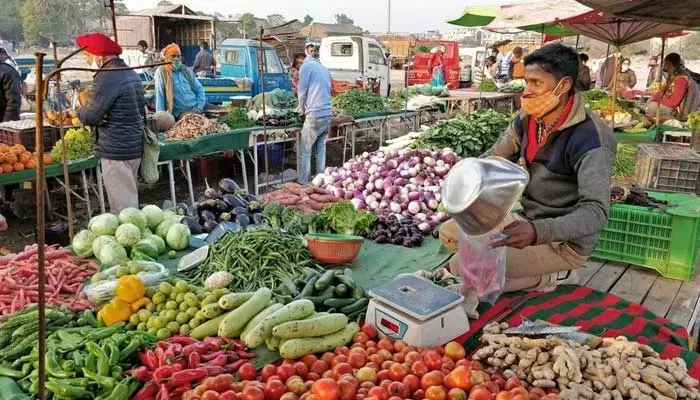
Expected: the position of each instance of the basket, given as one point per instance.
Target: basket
(667, 242)
(25, 137)
(334, 249)
(668, 168)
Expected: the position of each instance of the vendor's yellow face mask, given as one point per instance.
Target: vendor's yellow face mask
(540, 105)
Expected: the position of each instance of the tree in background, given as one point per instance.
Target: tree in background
(44, 21)
(275, 20)
(247, 25)
(11, 20)
(343, 19)
(307, 20)
(165, 3)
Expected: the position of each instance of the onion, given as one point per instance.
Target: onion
(369, 186)
(383, 204)
(395, 207)
(372, 169)
(373, 205)
(339, 192)
(414, 207)
(389, 192)
(438, 196)
(379, 184)
(440, 163)
(428, 161)
(365, 154)
(442, 216)
(424, 227)
(370, 199)
(414, 196)
(449, 157)
(359, 204)
(440, 171)
(433, 204)
(420, 217)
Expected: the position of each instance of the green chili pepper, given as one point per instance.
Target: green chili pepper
(103, 333)
(26, 368)
(82, 382)
(89, 317)
(91, 362)
(133, 346)
(68, 365)
(117, 372)
(105, 381)
(78, 359)
(102, 359)
(53, 368)
(120, 392)
(66, 390)
(111, 348)
(11, 373)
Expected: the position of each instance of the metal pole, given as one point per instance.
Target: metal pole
(614, 93)
(40, 220)
(659, 74)
(577, 39)
(114, 20)
(389, 17)
(261, 69)
(64, 147)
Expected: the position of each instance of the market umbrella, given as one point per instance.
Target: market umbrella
(475, 16)
(542, 16)
(675, 12)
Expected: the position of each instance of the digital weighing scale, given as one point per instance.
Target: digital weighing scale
(417, 311)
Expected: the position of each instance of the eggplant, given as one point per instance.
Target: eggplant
(407, 242)
(225, 216)
(254, 206)
(195, 227)
(181, 209)
(227, 185)
(417, 240)
(222, 206)
(240, 210)
(436, 233)
(258, 218)
(397, 241)
(208, 204)
(220, 229)
(192, 212)
(209, 226)
(248, 197)
(210, 193)
(207, 215)
(381, 239)
(234, 201)
(242, 220)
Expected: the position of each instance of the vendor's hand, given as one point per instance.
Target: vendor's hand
(519, 234)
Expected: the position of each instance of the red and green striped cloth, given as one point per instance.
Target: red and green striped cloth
(597, 313)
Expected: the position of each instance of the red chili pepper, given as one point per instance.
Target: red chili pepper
(232, 356)
(238, 345)
(214, 341)
(165, 372)
(183, 340)
(211, 356)
(163, 345)
(185, 377)
(163, 393)
(246, 355)
(182, 362)
(233, 367)
(142, 374)
(220, 360)
(179, 391)
(160, 357)
(214, 370)
(189, 349)
(169, 356)
(193, 360)
(147, 392)
(202, 347)
(148, 358)
(176, 348)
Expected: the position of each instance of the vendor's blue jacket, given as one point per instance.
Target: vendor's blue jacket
(115, 112)
(188, 93)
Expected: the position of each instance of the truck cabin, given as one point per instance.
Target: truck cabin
(420, 73)
(239, 61)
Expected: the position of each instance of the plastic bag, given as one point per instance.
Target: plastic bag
(149, 157)
(482, 268)
(105, 290)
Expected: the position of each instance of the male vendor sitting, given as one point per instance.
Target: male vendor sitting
(569, 154)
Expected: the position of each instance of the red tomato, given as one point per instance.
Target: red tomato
(397, 372)
(373, 366)
(519, 390)
(433, 360)
(247, 372)
(369, 330)
(387, 364)
(432, 378)
(360, 396)
(479, 393)
(357, 359)
(237, 387)
(504, 396)
(228, 395)
(419, 394)
(436, 393)
(385, 384)
(305, 396)
(371, 350)
(455, 351)
(371, 343)
(411, 382)
(252, 393)
(366, 386)
(475, 365)
(550, 396)
(274, 390)
(327, 374)
(210, 395)
(325, 389)
(398, 389)
(382, 375)
(320, 367)
(268, 371)
(419, 368)
(300, 369)
(412, 356)
(500, 382)
(386, 344)
(341, 369)
(347, 390)
(513, 383)
(309, 360)
(456, 394)
(378, 392)
(342, 350)
(360, 337)
(439, 349)
(285, 371)
(340, 358)
(520, 397)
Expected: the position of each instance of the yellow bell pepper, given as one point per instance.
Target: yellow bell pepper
(116, 311)
(130, 288)
(138, 304)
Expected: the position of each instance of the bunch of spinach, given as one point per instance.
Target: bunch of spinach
(468, 135)
(357, 102)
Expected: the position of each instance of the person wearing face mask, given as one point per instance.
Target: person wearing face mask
(116, 113)
(177, 89)
(583, 83)
(10, 88)
(653, 70)
(678, 97)
(626, 78)
(569, 154)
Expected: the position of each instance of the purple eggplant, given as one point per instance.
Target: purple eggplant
(234, 201)
(207, 215)
(210, 193)
(195, 227)
(181, 209)
(243, 220)
(228, 185)
(220, 230)
(208, 226)
(258, 218)
(240, 210)
(225, 216)
(222, 206)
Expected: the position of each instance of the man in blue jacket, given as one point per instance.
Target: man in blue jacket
(116, 113)
(314, 90)
(177, 89)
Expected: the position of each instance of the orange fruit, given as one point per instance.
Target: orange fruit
(7, 167)
(11, 158)
(30, 164)
(18, 166)
(24, 157)
(48, 159)
(19, 147)
(4, 148)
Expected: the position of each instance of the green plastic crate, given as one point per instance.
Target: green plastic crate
(665, 241)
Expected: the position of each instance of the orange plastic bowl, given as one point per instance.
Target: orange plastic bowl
(333, 248)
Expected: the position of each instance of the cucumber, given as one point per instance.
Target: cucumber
(359, 305)
(358, 293)
(347, 279)
(261, 316)
(308, 290)
(295, 310)
(341, 290)
(318, 300)
(272, 343)
(325, 280)
(296, 348)
(312, 327)
(209, 328)
(233, 300)
(235, 321)
(338, 303)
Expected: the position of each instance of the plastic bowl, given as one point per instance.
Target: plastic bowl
(333, 248)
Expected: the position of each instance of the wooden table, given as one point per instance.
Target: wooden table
(673, 299)
(467, 101)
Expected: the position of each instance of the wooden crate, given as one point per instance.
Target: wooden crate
(668, 168)
(25, 137)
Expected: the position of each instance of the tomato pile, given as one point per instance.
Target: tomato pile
(371, 369)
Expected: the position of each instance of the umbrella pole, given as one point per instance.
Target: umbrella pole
(577, 39)
(64, 147)
(114, 19)
(659, 74)
(614, 93)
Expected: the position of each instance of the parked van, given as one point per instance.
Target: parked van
(357, 60)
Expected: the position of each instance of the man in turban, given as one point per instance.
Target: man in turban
(177, 89)
(116, 112)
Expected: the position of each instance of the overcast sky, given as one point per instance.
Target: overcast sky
(406, 15)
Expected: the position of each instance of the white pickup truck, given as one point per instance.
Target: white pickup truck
(356, 59)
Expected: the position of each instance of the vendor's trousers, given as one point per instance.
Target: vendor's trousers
(313, 137)
(120, 177)
(665, 112)
(528, 268)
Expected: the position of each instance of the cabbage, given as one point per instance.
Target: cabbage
(127, 234)
(178, 237)
(154, 216)
(104, 224)
(145, 246)
(146, 232)
(82, 243)
(99, 242)
(162, 229)
(158, 241)
(133, 216)
(111, 253)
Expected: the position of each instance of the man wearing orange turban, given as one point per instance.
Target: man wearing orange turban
(115, 111)
(177, 89)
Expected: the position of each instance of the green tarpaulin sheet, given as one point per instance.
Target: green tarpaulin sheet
(55, 169)
(476, 16)
(210, 144)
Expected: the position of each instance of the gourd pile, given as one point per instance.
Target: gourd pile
(618, 369)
